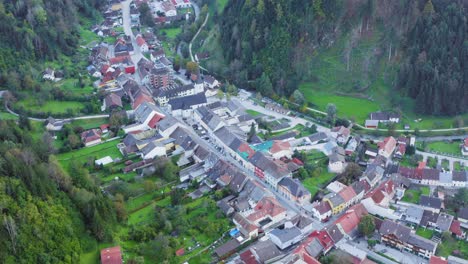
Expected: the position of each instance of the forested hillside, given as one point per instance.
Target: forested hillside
(434, 71)
(356, 47)
(46, 214)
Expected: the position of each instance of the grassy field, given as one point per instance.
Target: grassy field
(7, 116)
(315, 184)
(72, 86)
(447, 247)
(54, 107)
(171, 33)
(89, 123)
(412, 196)
(445, 147)
(349, 107)
(253, 112)
(98, 151)
(424, 232)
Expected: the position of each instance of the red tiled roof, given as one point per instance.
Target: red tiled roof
(402, 149)
(140, 41)
(323, 207)
(437, 260)
(180, 252)
(141, 98)
(248, 257)
(323, 237)
(267, 206)
(104, 126)
(455, 228)
(245, 148)
(421, 165)
(378, 193)
(347, 193)
(350, 220)
(104, 68)
(466, 142)
(118, 60)
(388, 145)
(154, 121)
(298, 161)
(378, 196)
(279, 146)
(111, 255)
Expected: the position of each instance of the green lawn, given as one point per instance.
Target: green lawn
(315, 184)
(252, 112)
(445, 147)
(89, 123)
(72, 86)
(412, 196)
(424, 232)
(348, 107)
(98, 151)
(7, 116)
(171, 33)
(54, 107)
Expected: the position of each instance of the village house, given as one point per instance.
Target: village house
(336, 161)
(184, 106)
(340, 134)
(210, 82)
(111, 102)
(462, 215)
(373, 174)
(385, 117)
(464, 147)
(147, 116)
(163, 95)
(433, 204)
(169, 9)
(377, 202)
(52, 75)
(277, 108)
(322, 211)
(281, 149)
(387, 147)
(403, 238)
(91, 137)
(53, 125)
(293, 190)
(286, 237)
(141, 42)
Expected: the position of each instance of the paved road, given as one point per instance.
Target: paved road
(371, 253)
(196, 8)
(137, 55)
(195, 36)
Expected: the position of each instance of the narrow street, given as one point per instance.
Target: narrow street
(136, 57)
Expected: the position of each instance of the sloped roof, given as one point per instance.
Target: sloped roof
(347, 193)
(294, 187)
(429, 201)
(323, 207)
(389, 227)
(187, 102)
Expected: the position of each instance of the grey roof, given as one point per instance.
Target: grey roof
(286, 234)
(455, 260)
(337, 155)
(255, 140)
(266, 250)
(302, 221)
(460, 176)
(415, 213)
(429, 201)
(201, 152)
(336, 200)
(383, 115)
(208, 117)
(445, 177)
(463, 213)
(314, 248)
(227, 247)
(358, 187)
(171, 92)
(294, 187)
(187, 102)
(225, 207)
(318, 136)
(245, 117)
(422, 242)
(372, 171)
(291, 134)
(144, 110)
(444, 221)
(226, 136)
(335, 233)
(391, 228)
(428, 217)
(179, 134)
(150, 146)
(237, 182)
(167, 122)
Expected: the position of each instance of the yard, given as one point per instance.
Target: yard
(444, 147)
(412, 195)
(89, 123)
(52, 107)
(315, 184)
(424, 232)
(451, 246)
(170, 33)
(99, 151)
